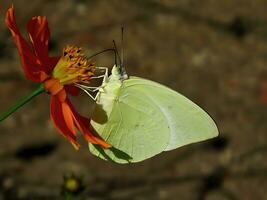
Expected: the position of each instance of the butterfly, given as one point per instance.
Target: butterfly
(141, 118)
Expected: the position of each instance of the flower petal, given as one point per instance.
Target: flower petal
(83, 124)
(71, 89)
(39, 35)
(31, 64)
(60, 122)
(68, 117)
(52, 62)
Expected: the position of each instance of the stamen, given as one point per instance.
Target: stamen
(74, 67)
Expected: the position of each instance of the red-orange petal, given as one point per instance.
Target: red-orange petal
(39, 36)
(57, 116)
(43, 76)
(31, 64)
(73, 90)
(52, 62)
(68, 117)
(83, 124)
(62, 95)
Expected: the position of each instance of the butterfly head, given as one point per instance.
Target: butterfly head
(118, 73)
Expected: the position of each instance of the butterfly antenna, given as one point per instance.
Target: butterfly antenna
(117, 53)
(122, 48)
(115, 57)
(103, 51)
(123, 71)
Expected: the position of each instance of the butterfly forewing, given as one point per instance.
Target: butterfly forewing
(187, 121)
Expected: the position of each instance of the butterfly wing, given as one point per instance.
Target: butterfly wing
(147, 118)
(136, 127)
(188, 123)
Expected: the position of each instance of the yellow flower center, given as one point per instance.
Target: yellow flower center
(73, 67)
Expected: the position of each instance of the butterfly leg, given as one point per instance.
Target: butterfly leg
(89, 89)
(105, 75)
(90, 95)
(96, 77)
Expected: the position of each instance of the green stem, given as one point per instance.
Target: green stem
(21, 102)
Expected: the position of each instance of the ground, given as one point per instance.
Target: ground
(213, 52)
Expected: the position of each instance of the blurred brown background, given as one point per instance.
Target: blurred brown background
(214, 52)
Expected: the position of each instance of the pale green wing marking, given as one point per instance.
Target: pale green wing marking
(188, 122)
(136, 127)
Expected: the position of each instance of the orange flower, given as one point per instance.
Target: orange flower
(58, 75)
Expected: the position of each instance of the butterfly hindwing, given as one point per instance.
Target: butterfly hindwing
(135, 127)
